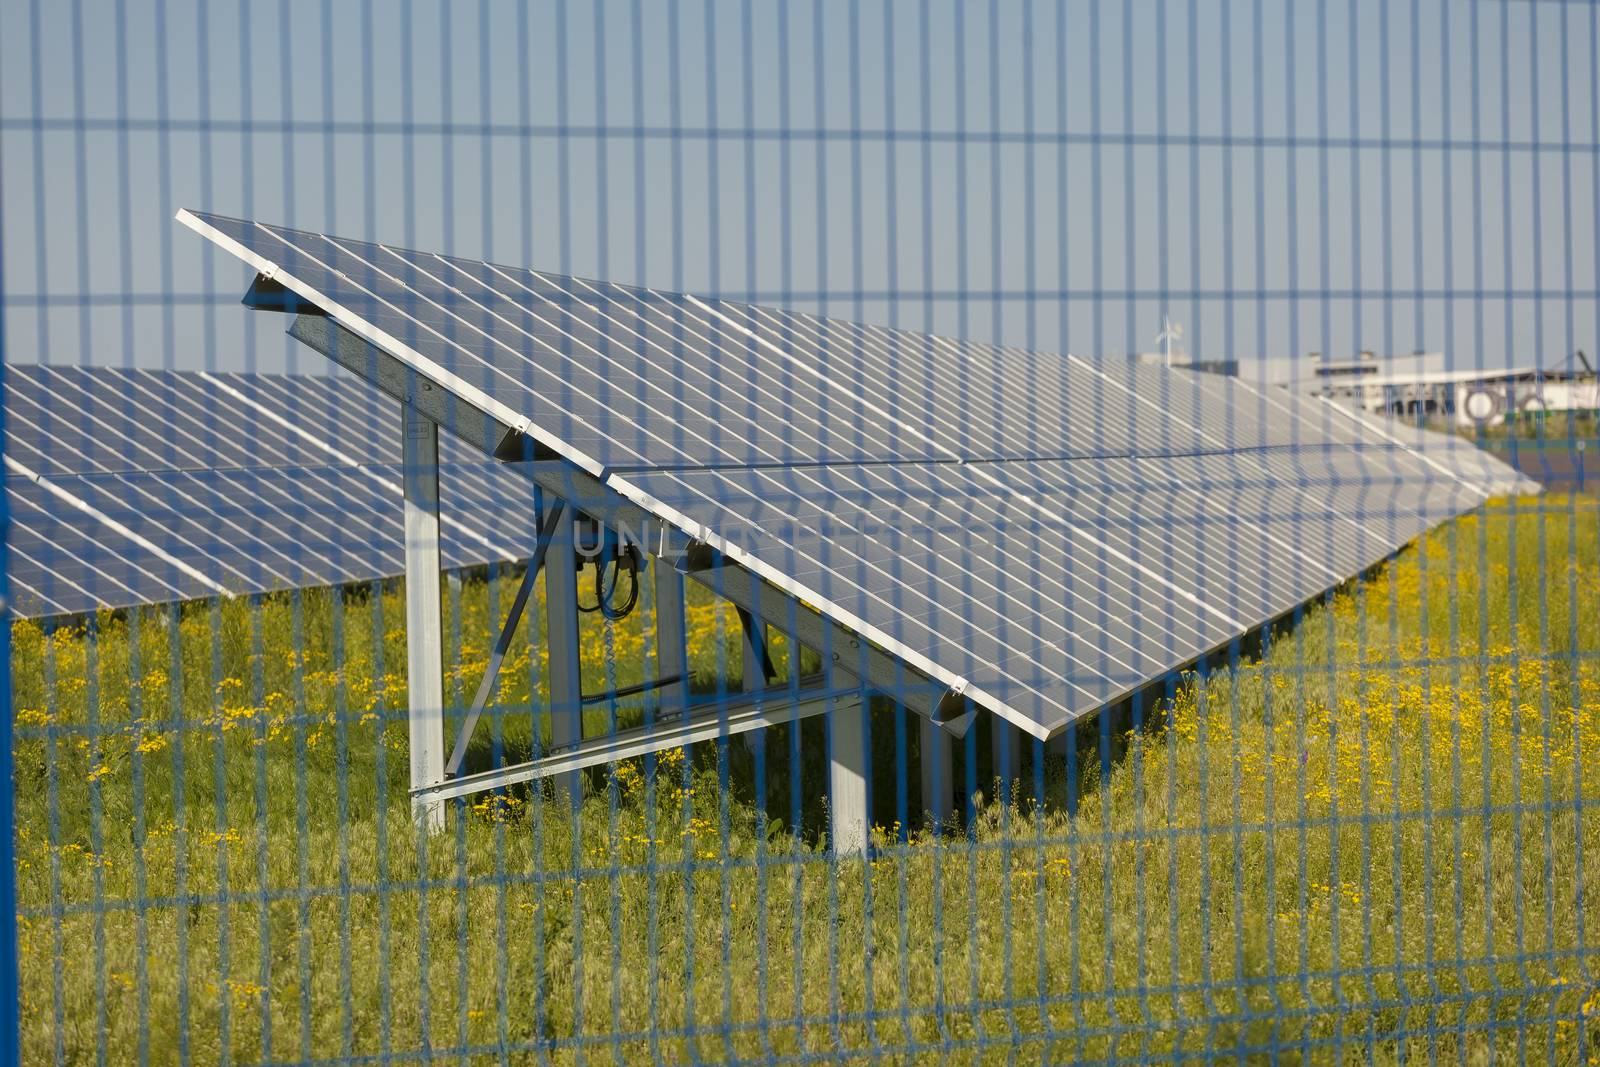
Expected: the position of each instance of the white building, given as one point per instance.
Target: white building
(1420, 385)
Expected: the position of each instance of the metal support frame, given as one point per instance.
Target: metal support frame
(757, 671)
(672, 653)
(849, 777)
(860, 665)
(769, 708)
(424, 619)
(874, 668)
(937, 776)
(584, 493)
(752, 673)
(566, 665)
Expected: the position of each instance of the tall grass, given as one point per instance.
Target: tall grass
(1376, 836)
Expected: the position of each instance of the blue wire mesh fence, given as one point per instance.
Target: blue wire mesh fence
(1225, 686)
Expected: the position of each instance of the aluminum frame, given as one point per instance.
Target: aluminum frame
(757, 712)
(424, 616)
(675, 551)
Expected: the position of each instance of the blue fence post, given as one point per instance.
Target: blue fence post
(10, 993)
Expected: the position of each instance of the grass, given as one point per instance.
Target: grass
(1376, 837)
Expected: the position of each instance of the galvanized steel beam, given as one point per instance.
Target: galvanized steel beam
(772, 708)
(424, 638)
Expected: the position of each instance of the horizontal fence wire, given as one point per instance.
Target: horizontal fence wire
(1104, 568)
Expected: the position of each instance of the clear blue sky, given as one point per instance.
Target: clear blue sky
(1282, 177)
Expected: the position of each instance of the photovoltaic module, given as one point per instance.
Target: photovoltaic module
(1038, 534)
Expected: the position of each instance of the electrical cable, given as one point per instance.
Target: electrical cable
(605, 602)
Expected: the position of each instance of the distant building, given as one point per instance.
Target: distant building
(1420, 385)
(1367, 382)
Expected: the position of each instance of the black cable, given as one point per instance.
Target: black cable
(604, 603)
(607, 604)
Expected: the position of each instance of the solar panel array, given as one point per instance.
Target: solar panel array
(1039, 532)
(136, 486)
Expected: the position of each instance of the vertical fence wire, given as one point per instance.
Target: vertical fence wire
(1360, 824)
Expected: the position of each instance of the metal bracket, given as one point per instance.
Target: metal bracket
(266, 294)
(755, 637)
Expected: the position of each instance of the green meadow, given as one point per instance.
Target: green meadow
(1374, 833)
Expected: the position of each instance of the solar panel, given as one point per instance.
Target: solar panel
(638, 379)
(84, 419)
(1074, 581)
(1042, 534)
(65, 561)
(135, 486)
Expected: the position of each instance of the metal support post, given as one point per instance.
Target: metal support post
(756, 664)
(936, 776)
(672, 658)
(566, 666)
(424, 619)
(848, 773)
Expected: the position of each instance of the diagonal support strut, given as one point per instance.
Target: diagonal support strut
(757, 654)
(547, 530)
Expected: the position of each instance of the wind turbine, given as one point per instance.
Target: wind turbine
(1169, 333)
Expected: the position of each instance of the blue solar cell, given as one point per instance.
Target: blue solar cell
(1040, 532)
(64, 561)
(164, 485)
(638, 379)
